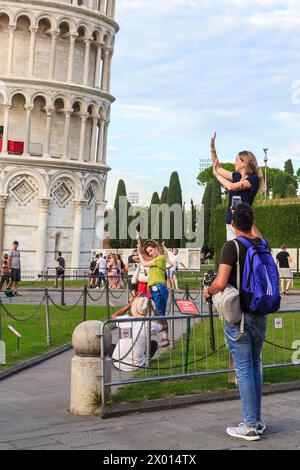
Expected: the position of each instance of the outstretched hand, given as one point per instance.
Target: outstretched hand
(213, 142)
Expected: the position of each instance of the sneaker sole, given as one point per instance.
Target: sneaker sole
(247, 438)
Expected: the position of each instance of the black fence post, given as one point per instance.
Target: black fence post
(84, 303)
(107, 299)
(48, 325)
(187, 293)
(62, 300)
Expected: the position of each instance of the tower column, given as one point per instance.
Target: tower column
(54, 35)
(71, 58)
(105, 139)
(104, 83)
(93, 156)
(41, 234)
(10, 57)
(49, 112)
(3, 200)
(27, 131)
(86, 61)
(100, 140)
(82, 136)
(109, 70)
(79, 207)
(33, 32)
(5, 129)
(67, 134)
(98, 65)
(101, 7)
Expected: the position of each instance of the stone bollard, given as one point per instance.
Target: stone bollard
(86, 366)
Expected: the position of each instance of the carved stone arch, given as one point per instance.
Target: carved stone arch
(65, 98)
(64, 187)
(3, 94)
(19, 91)
(47, 16)
(44, 95)
(9, 14)
(82, 101)
(86, 27)
(26, 13)
(93, 191)
(69, 21)
(24, 185)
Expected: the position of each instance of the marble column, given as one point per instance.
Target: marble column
(27, 131)
(97, 83)
(109, 71)
(54, 35)
(5, 129)
(71, 58)
(104, 83)
(33, 32)
(42, 234)
(93, 156)
(67, 134)
(86, 61)
(79, 207)
(3, 199)
(10, 56)
(100, 140)
(84, 118)
(99, 225)
(105, 141)
(49, 112)
(101, 7)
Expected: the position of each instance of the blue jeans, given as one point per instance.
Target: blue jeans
(159, 295)
(246, 353)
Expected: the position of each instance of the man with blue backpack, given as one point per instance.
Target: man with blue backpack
(247, 276)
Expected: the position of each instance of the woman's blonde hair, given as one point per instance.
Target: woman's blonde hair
(252, 168)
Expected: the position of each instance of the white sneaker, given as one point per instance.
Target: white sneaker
(244, 432)
(261, 427)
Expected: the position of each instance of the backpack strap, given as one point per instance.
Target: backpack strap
(238, 283)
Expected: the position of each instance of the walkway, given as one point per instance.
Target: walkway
(33, 415)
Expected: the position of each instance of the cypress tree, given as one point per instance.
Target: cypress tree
(153, 216)
(280, 186)
(121, 223)
(288, 167)
(174, 197)
(163, 200)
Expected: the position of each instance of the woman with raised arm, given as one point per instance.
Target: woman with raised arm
(242, 185)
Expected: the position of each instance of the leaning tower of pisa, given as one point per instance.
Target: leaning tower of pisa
(55, 70)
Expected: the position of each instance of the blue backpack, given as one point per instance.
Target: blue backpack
(260, 279)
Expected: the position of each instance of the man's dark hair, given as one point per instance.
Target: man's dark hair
(59, 253)
(16, 243)
(243, 218)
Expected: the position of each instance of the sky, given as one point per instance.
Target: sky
(183, 69)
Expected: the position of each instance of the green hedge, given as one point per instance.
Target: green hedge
(279, 224)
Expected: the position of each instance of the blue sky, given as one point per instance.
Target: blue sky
(185, 68)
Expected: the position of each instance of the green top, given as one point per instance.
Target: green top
(157, 271)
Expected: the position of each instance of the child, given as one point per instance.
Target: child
(151, 257)
(5, 274)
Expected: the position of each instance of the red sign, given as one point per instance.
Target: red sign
(187, 307)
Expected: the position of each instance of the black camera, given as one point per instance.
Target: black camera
(209, 278)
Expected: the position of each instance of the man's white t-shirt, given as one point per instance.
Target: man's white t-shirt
(128, 332)
(101, 264)
(175, 260)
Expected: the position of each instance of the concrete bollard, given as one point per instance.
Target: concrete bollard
(86, 366)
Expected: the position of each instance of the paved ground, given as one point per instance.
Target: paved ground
(33, 415)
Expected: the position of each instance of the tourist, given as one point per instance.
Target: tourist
(14, 266)
(92, 277)
(61, 265)
(151, 257)
(284, 261)
(112, 271)
(101, 267)
(243, 184)
(130, 352)
(5, 273)
(246, 347)
(120, 272)
(131, 266)
(172, 270)
(95, 273)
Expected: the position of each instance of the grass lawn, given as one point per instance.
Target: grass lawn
(33, 341)
(200, 337)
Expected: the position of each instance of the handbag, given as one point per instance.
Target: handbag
(227, 302)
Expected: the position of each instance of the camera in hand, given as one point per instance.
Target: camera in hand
(236, 201)
(209, 278)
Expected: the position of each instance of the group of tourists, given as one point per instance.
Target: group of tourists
(11, 269)
(109, 269)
